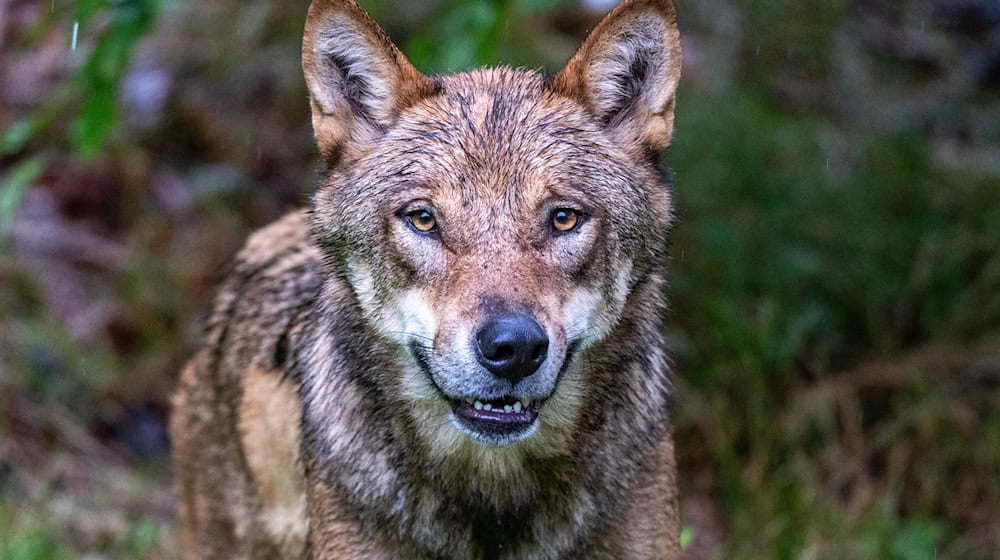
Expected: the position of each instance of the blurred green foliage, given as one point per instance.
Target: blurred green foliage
(464, 34)
(792, 262)
(91, 96)
(803, 252)
(809, 243)
(92, 93)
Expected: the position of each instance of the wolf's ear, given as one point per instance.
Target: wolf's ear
(358, 80)
(627, 71)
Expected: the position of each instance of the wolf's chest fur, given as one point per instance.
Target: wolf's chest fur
(457, 351)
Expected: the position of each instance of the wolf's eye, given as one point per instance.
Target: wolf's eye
(565, 219)
(422, 221)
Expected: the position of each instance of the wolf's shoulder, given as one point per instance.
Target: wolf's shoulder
(272, 286)
(278, 265)
(280, 240)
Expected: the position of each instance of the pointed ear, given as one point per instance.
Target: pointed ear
(358, 80)
(626, 73)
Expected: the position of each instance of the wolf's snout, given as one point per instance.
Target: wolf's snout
(512, 346)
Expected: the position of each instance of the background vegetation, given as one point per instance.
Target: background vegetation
(836, 271)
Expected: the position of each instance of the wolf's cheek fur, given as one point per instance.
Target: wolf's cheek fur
(589, 315)
(404, 316)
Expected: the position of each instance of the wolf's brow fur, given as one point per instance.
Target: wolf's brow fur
(315, 421)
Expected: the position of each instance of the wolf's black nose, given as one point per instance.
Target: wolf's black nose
(512, 346)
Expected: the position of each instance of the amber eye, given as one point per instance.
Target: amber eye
(565, 219)
(422, 221)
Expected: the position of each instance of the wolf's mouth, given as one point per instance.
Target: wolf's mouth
(499, 421)
(504, 416)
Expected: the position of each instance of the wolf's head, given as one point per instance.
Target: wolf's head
(495, 225)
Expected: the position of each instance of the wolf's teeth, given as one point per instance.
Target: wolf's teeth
(517, 407)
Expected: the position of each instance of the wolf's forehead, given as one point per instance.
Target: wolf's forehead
(501, 110)
(519, 88)
(494, 129)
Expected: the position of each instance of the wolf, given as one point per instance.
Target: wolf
(457, 350)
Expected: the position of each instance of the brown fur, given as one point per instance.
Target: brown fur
(315, 422)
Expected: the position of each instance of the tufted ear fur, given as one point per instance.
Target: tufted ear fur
(626, 73)
(358, 80)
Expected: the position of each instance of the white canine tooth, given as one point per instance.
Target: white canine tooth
(507, 408)
(517, 406)
(468, 401)
(525, 403)
(478, 405)
(487, 406)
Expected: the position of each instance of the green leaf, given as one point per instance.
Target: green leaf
(98, 80)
